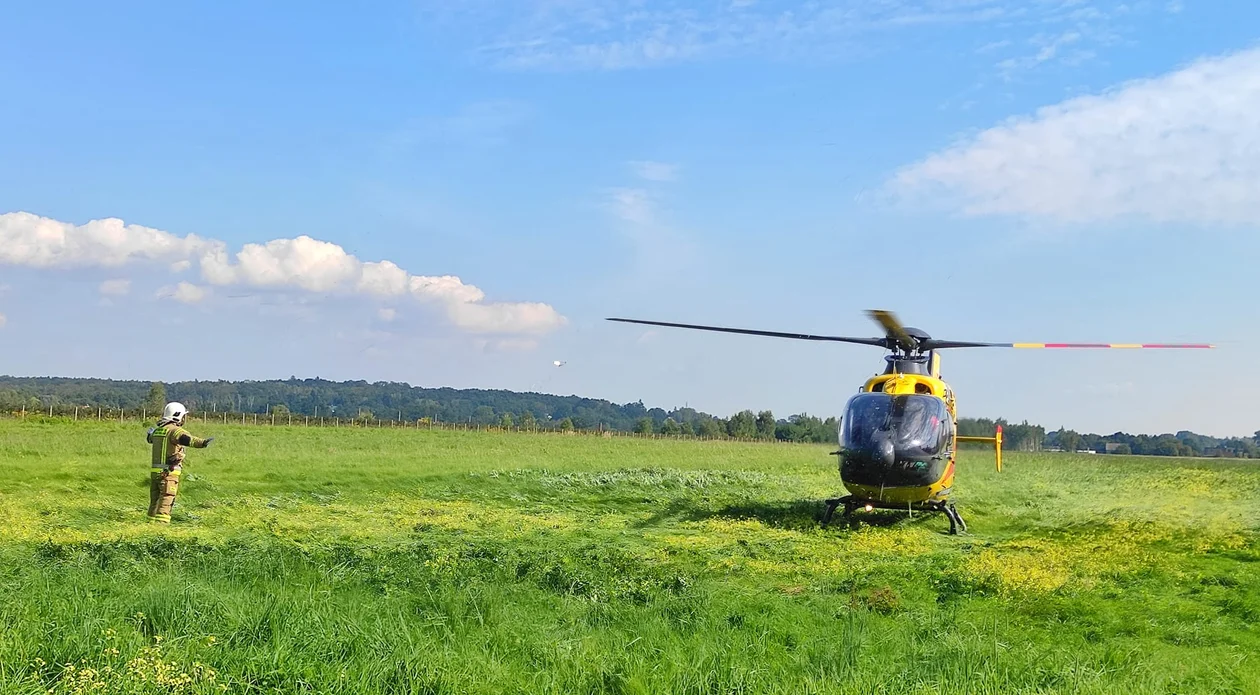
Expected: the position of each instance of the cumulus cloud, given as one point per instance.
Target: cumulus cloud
(184, 292)
(301, 263)
(655, 171)
(39, 242)
(1181, 147)
(116, 287)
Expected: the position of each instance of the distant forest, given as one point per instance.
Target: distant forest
(362, 400)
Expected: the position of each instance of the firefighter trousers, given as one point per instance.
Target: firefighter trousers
(163, 485)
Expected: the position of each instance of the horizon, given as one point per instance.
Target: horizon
(779, 416)
(426, 193)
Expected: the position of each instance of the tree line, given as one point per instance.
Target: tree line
(499, 407)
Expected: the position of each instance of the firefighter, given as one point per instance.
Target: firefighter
(168, 439)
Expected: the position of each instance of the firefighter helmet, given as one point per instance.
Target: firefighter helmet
(174, 412)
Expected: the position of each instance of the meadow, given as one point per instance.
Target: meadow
(353, 560)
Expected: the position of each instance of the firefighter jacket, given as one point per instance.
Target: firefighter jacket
(168, 442)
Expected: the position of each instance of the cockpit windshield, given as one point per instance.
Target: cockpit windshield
(917, 425)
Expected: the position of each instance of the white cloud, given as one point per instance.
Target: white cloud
(633, 205)
(181, 266)
(115, 287)
(446, 287)
(624, 34)
(3, 320)
(39, 242)
(386, 314)
(1181, 147)
(1048, 48)
(655, 171)
(520, 317)
(301, 263)
(184, 292)
(322, 267)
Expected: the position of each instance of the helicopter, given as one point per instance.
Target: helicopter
(898, 435)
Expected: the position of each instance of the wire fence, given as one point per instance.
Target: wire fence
(144, 417)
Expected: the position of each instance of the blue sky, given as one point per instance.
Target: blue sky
(460, 196)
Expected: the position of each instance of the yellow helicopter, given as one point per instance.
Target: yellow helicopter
(898, 436)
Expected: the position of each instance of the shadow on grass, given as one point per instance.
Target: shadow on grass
(796, 515)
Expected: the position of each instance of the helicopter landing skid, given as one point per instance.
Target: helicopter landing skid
(956, 523)
(849, 505)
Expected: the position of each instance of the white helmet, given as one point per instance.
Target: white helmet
(174, 412)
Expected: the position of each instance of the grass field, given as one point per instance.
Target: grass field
(406, 561)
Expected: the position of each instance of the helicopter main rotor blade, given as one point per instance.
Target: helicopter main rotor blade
(898, 336)
(878, 342)
(942, 344)
(1111, 345)
(934, 344)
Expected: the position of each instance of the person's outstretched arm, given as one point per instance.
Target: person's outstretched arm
(187, 439)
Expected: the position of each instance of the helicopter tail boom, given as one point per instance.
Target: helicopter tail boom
(997, 444)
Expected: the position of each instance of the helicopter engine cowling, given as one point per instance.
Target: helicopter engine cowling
(895, 440)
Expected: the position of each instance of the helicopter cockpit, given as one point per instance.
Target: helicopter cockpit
(894, 440)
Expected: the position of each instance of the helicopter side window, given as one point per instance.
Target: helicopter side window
(924, 427)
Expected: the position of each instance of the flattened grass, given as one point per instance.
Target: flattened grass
(365, 561)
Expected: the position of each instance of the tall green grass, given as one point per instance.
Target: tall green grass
(375, 561)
